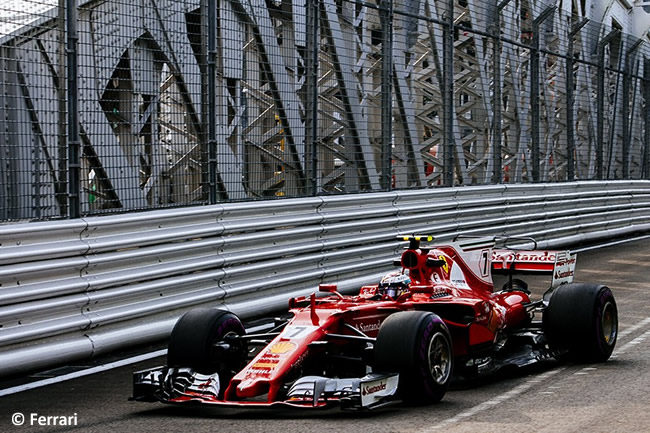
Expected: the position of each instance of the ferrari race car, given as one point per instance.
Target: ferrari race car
(403, 339)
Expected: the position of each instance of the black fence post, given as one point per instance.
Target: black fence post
(448, 94)
(646, 144)
(311, 95)
(386, 16)
(212, 100)
(62, 147)
(74, 164)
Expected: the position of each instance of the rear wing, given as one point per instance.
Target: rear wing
(561, 264)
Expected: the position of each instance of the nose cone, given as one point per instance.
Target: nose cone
(252, 387)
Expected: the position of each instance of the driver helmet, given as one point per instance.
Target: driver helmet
(394, 284)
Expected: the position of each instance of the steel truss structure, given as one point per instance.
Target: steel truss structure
(203, 101)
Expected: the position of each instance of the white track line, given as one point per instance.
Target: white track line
(518, 390)
(514, 392)
(634, 328)
(610, 244)
(630, 345)
(82, 373)
(99, 368)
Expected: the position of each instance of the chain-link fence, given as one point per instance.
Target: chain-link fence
(127, 105)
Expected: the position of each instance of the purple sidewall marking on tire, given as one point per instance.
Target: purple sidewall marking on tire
(425, 370)
(603, 299)
(225, 324)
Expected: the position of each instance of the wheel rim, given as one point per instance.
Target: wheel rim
(222, 338)
(220, 361)
(609, 323)
(229, 334)
(439, 358)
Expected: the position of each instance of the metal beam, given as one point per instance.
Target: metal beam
(600, 101)
(497, 104)
(534, 92)
(627, 121)
(357, 125)
(570, 101)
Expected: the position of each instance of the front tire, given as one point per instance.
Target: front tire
(417, 345)
(192, 342)
(582, 319)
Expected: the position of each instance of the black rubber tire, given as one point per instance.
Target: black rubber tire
(583, 319)
(417, 345)
(192, 339)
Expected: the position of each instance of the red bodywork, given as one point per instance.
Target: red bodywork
(451, 280)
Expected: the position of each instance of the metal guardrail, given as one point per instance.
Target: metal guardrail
(73, 289)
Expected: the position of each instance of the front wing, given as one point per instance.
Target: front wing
(183, 385)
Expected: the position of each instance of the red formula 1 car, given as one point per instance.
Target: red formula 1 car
(399, 340)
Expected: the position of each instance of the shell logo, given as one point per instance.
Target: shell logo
(282, 347)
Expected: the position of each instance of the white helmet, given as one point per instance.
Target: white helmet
(394, 284)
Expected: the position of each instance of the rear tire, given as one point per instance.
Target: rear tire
(417, 345)
(582, 319)
(192, 340)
